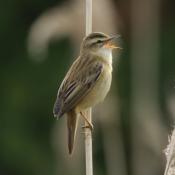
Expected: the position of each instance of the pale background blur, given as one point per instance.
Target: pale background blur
(39, 40)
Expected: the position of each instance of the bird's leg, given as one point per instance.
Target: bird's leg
(90, 125)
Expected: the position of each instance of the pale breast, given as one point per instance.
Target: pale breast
(99, 91)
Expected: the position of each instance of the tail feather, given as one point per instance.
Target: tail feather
(72, 122)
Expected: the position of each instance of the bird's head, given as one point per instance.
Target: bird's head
(98, 41)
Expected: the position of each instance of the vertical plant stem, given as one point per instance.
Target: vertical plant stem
(88, 146)
(88, 17)
(88, 132)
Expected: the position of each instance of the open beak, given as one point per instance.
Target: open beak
(108, 43)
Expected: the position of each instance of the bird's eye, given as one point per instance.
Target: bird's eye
(99, 41)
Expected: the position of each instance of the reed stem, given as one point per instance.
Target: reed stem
(88, 132)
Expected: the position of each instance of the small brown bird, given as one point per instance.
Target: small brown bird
(86, 83)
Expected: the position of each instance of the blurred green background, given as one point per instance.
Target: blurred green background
(29, 87)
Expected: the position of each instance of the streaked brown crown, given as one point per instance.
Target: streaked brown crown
(94, 39)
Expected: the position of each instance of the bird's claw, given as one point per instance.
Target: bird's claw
(89, 125)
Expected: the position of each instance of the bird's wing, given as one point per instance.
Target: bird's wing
(75, 87)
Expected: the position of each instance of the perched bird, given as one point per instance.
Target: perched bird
(87, 82)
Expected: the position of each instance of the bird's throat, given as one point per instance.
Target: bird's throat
(105, 54)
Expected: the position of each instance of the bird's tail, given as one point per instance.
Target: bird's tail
(72, 122)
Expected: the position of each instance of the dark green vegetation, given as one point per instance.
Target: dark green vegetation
(28, 88)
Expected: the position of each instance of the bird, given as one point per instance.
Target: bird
(86, 83)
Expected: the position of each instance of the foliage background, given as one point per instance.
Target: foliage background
(28, 89)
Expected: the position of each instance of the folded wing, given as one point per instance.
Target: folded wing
(75, 87)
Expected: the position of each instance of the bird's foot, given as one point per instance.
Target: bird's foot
(89, 124)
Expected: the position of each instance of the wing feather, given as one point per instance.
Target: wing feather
(72, 92)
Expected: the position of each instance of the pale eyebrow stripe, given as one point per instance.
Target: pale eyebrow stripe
(97, 35)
